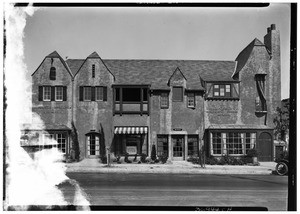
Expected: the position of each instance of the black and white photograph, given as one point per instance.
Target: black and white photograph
(149, 106)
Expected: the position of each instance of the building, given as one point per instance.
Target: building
(224, 107)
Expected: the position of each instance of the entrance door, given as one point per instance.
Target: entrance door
(265, 147)
(93, 145)
(178, 145)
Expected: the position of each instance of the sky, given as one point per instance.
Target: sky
(191, 33)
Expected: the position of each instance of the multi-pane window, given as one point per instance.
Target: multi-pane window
(191, 100)
(177, 94)
(216, 144)
(192, 141)
(99, 93)
(87, 93)
(93, 145)
(250, 141)
(46, 93)
(61, 140)
(59, 93)
(234, 143)
(162, 145)
(222, 90)
(93, 71)
(52, 93)
(164, 100)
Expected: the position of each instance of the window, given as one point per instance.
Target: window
(260, 101)
(47, 93)
(93, 71)
(250, 141)
(87, 93)
(52, 93)
(61, 140)
(222, 90)
(99, 93)
(59, 93)
(131, 99)
(162, 145)
(191, 100)
(92, 93)
(192, 141)
(52, 73)
(177, 94)
(216, 144)
(93, 145)
(164, 100)
(234, 143)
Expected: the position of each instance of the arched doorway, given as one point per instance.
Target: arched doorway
(265, 147)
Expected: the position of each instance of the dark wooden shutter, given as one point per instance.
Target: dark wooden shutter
(52, 93)
(104, 93)
(93, 93)
(40, 93)
(64, 93)
(80, 93)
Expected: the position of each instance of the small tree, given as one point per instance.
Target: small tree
(75, 144)
(153, 153)
(282, 120)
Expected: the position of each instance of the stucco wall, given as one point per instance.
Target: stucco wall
(92, 115)
(55, 112)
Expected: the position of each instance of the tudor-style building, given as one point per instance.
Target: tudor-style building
(178, 105)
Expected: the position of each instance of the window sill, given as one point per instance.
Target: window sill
(222, 98)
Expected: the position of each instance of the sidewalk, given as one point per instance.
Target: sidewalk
(182, 167)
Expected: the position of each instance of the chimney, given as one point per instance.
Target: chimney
(272, 40)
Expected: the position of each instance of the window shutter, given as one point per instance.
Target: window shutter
(93, 93)
(40, 93)
(52, 93)
(80, 93)
(104, 93)
(65, 93)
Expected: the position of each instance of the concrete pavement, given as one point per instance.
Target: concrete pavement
(181, 167)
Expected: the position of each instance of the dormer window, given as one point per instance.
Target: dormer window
(52, 73)
(222, 90)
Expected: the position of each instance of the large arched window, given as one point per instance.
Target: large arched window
(52, 73)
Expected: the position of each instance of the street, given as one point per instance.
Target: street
(116, 189)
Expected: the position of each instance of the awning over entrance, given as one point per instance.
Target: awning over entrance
(131, 130)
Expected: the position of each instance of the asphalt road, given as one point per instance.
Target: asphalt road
(181, 190)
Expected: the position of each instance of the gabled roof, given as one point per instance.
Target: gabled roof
(54, 54)
(94, 55)
(244, 55)
(74, 64)
(158, 72)
(176, 70)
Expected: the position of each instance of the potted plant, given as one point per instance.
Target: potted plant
(252, 153)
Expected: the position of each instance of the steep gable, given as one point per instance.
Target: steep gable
(244, 55)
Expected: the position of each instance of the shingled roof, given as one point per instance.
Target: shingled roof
(243, 57)
(157, 72)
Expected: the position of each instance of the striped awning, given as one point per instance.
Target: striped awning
(131, 130)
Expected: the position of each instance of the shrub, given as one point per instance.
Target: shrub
(103, 159)
(153, 153)
(126, 158)
(163, 158)
(211, 160)
(193, 159)
(143, 158)
(252, 153)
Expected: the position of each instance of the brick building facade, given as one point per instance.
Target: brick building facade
(223, 107)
